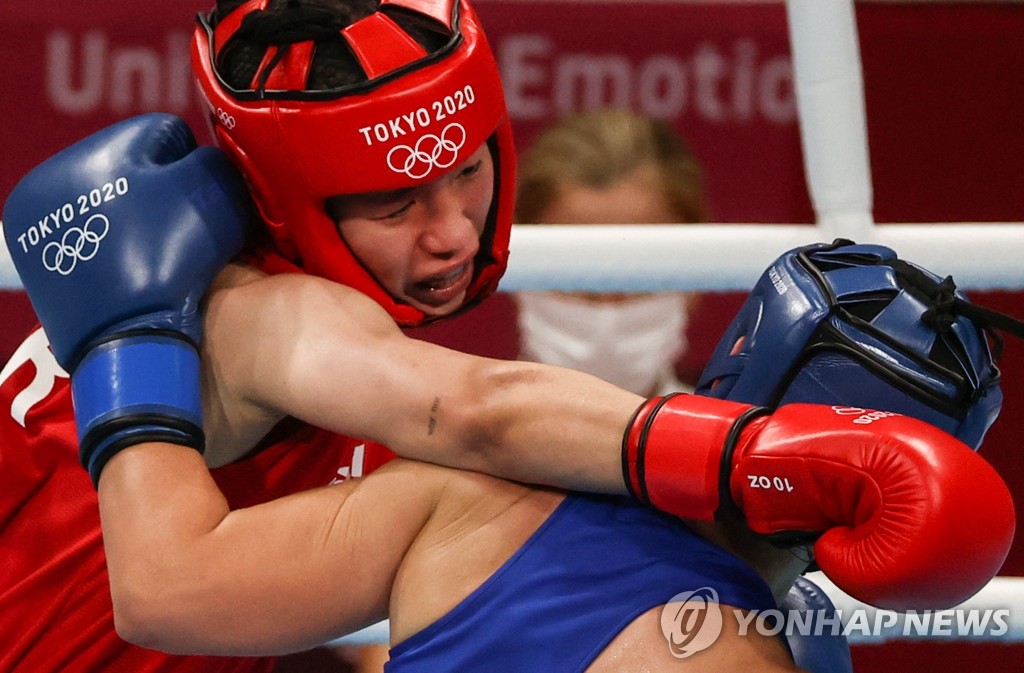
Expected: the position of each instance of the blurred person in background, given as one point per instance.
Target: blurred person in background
(610, 166)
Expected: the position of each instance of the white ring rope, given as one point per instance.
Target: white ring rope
(733, 256)
(8, 275)
(1000, 603)
(725, 257)
(830, 100)
(995, 614)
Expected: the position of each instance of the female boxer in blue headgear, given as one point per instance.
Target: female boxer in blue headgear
(855, 327)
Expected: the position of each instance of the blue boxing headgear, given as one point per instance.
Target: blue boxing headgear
(853, 325)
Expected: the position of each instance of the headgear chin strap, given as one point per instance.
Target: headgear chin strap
(852, 325)
(417, 116)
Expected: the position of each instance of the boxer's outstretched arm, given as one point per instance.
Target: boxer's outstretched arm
(313, 349)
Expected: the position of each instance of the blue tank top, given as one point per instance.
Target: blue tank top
(593, 566)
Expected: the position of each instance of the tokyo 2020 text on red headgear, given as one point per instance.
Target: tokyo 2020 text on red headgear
(417, 116)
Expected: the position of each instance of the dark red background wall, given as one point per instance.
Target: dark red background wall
(944, 92)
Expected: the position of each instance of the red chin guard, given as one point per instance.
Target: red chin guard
(417, 117)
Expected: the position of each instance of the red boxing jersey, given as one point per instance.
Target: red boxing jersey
(55, 608)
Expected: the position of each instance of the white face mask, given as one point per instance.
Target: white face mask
(632, 343)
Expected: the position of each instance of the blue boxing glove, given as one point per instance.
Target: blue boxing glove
(116, 239)
(821, 647)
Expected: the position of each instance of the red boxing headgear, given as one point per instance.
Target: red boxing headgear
(417, 116)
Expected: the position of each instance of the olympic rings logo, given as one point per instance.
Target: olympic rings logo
(225, 118)
(430, 152)
(76, 244)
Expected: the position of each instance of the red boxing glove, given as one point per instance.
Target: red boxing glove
(909, 516)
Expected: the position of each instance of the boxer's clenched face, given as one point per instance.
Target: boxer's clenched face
(420, 243)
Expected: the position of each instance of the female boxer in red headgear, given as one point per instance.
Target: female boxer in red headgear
(389, 190)
(364, 174)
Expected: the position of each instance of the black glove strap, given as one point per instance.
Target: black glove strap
(641, 449)
(726, 505)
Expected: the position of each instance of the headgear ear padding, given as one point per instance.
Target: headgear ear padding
(853, 326)
(415, 117)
